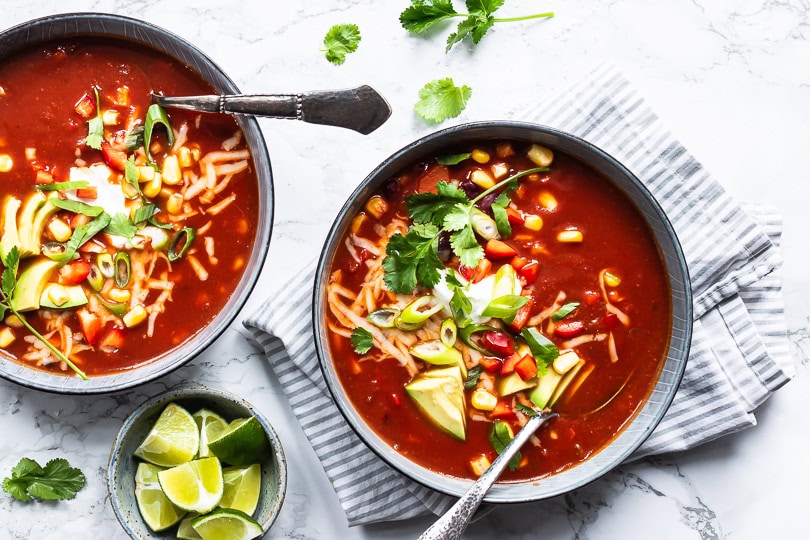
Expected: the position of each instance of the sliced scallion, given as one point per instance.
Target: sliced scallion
(155, 115)
(384, 318)
(123, 268)
(182, 239)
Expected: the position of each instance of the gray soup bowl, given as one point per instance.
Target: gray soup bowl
(639, 427)
(36, 32)
(122, 464)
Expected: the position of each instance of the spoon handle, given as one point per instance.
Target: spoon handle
(453, 523)
(362, 109)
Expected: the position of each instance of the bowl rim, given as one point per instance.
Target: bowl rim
(677, 354)
(195, 391)
(128, 29)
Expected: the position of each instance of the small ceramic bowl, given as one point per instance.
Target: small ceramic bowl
(122, 465)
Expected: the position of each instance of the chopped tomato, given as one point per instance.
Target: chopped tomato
(86, 106)
(518, 262)
(44, 177)
(74, 272)
(498, 342)
(114, 158)
(474, 275)
(569, 329)
(113, 338)
(497, 249)
(503, 411)
(529, 271)
(611, 321)
(515, 217)
(91, 326)
(491, 364)
(509, 364)
(526, 367)
(427, 182)
(591, 297)
(522, 316)
(87, 193)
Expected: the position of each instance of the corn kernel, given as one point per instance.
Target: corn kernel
(196, 153)
(534, 177)
(565, 362)
(134, 316)
(480, 156)
(540, 155)
(504, 150)
(499, 170)
(13, 321)
(483, 400)
(60, 230)
(30, 154)
(119, 295)
(6, 163)
(184, 157)
(547, 200)
(58, 294)
(6, 337)
(377, 206)
(571, 236)
(171, 171)
(44, 177)
(612, 280)
(146, 173)
(482, 179)
(480, 464)
(109, 117)
(175, 204)
(152, 187)
(532, 222)
(122, 96)
(357, 222)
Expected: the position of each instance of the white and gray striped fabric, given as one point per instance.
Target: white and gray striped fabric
(739, 353)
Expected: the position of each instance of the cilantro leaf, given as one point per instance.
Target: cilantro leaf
(11, 263)
(442, 99)
(423, 14)
(95, 127)
(56, 481)
(341, 40)
(433, 207)
(457, 217)
(472, 377)
(453, 159)
(499, 437)
(528, 411)
(121, 225)
(362, 340)
(413, 259)
(461, 307)
(81, 236)
(466, 246)
(131, 174)
(499, 213)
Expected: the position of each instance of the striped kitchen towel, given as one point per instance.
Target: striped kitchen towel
(739, 353)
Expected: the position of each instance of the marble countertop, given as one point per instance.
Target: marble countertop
(730, 80)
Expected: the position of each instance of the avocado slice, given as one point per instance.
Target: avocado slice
(439, 395)
(31, 283)
(541, 395)
(25, 222)
(11, 236)
(513, 383)
(73, 296)
(31, 231)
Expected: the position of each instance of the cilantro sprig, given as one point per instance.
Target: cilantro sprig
(413, 259)
(442, 99)
(11, 264)
(57, 480)
(95, 127)
(362, 340)
(423, 15)
(340, 40)
(499, 438)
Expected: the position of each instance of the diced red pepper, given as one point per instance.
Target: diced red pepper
(44, 177)
(570, 329)
(474, 275)
(529, 271)
(497, 342)
(87, 193)
(611, 321)
(113, 338)
(591, 297)
(496, 249)
(515, 217)
(491, 364)
(91, 326)
(86, 106)
(74, 272)
(526, 368)
(503, 411)
(518, 262)
(395, 398)
(522, 316)
(509, 364)
(116, 159)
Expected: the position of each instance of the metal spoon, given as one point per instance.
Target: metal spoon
(453, 523)
(362, 109)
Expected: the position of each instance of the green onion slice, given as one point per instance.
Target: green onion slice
(543, 349)
(123, 268)
(384, 318)
(448, 332)
(77, 207)
(564, 311)
(468, 331)
(58, 186)
(505, 307)
(155, 115)
(184, 238)
(436, 352)
(420, 310)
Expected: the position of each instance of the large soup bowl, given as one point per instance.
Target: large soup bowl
(639, 427)
(31, 34)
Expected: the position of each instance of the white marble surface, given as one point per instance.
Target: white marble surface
(730, 79)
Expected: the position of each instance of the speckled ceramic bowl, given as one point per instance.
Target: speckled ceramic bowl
(639, 427)
(122, 465)
(32, 34)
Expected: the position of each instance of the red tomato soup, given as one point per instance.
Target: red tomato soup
(126, 226)
(460, 301)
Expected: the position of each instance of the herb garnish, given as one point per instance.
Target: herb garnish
(121, 225)
(472, 377)
(413, 259)
(155, 115)
(362, 340)
(58, 186)
(454, 159)
(11, 263)
(543, 349)
(95, 127)
(81, 236)
(528, 411)
(56, 481)
(564, 311)
(339, 41)
(499, 437)
(77, 207)
(442, 99)
(424, 14)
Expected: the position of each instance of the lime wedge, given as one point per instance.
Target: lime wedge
(156, 510)
(226, 524)
(173, 440)
(242, 487)
(185, 531)
(243, 442)
(210, 425)
(195, 486)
